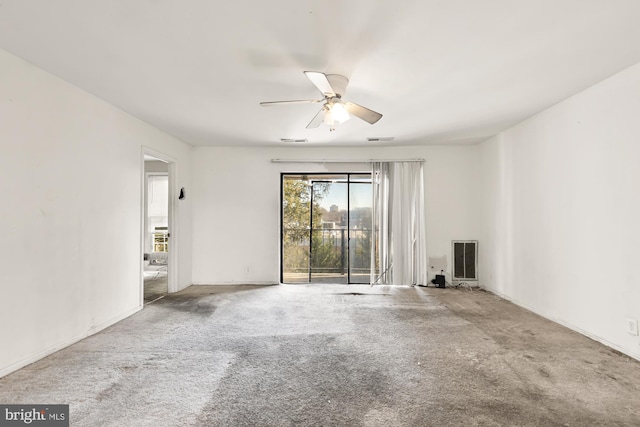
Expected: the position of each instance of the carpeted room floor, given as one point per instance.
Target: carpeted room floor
(155, 281)
(334, 355)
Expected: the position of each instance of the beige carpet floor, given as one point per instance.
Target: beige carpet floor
(334, 355)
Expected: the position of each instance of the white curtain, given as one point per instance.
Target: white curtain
(399, 242)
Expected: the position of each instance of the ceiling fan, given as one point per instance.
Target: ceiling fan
(334, 110)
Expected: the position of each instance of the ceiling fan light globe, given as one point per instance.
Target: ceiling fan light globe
(339, 113)
(328, 119)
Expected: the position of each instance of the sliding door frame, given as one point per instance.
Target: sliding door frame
(319, 175)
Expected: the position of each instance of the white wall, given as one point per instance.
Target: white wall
(155, 166)
(561, 211)
(70, 253)
(237, 195)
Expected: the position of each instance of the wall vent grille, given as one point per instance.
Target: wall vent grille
(465, 260)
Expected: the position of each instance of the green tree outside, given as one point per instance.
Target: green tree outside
(297, 217)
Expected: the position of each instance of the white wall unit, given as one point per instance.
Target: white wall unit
(464, 254)
(71, 172)
(560, 208)
(237, 192)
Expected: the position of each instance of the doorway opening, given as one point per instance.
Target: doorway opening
(326, 228)
(157, 217)
(156, 245)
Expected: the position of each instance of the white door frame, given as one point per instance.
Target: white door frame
(174, 232)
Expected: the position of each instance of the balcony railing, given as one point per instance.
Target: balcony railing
(332, 252)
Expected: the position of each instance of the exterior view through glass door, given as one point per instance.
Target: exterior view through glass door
(326, 228)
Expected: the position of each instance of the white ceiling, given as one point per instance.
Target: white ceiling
(440, 71)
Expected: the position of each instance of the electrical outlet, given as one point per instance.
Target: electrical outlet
(632, 326)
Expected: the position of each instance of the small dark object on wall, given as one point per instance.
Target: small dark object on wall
(182, 194)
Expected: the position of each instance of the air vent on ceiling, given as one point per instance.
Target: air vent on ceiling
(380, 139)
(292, 140)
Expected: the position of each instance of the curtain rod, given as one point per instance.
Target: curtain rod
(343, 160)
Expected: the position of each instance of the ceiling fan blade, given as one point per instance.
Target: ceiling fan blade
(338, 83)
(321, 82)
(319, 118)
(297, 101)
(361, 112)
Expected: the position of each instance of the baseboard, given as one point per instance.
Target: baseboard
(104, 325)
(574, 328)
(64, 344)
(260, 283)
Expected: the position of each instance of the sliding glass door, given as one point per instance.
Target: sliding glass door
(360, 223)
(328, 231)
(326, 228)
